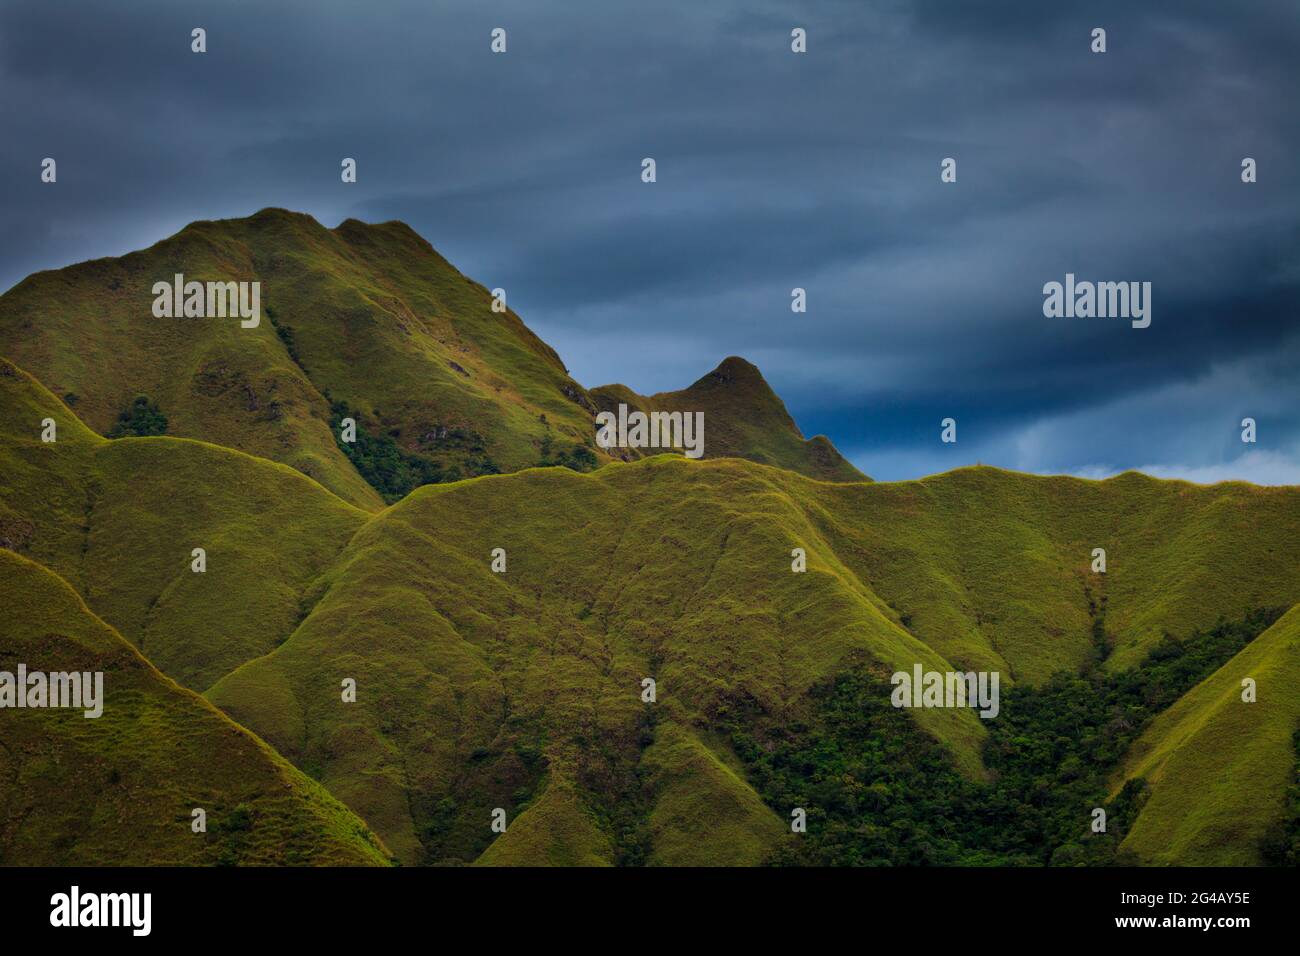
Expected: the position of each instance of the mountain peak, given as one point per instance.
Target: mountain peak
(733, 370)
(745, 419)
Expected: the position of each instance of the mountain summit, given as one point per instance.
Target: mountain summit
(745, 419)
(361, 322)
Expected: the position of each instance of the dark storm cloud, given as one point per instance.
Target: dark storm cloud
(775, 171)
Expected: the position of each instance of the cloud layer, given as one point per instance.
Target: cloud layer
(774, 171)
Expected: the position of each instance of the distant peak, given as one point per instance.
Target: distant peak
(733, 370)
(736, 366)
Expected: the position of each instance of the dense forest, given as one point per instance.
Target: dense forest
(879, 791)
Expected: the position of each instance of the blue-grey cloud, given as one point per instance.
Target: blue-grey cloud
(775, 171)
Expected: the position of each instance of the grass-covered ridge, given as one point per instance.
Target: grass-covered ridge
(521, 690)
(681, 571)
(119, 520)
(120, 788)
(1219, 769)
(364, 317)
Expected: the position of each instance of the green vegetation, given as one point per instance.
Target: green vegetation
(141, 419)
(578, 458)
(1219, 770)
(391, 471)
(120, 788)
(1281, 845)
(665, 576)
(521, 689)
(878, 791)
(285, 334)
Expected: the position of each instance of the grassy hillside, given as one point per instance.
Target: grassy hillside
(361, 321)
(993, 568)
(681, 571)
(1217, 768)
(366, 316)
(119, 521)
(121, 788)
(522, 690)
(743, 418)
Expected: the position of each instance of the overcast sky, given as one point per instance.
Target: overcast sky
(775, 170)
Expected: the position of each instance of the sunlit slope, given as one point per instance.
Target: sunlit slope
(743, 418)
(681, 571)
(120, 521)
(522, 690)
(367, 315)
(667, 569)
(88, 332)
(1217, 766)
(993, 568)
(120, 789)
(367, 321)
(557, 830)
(43, 495)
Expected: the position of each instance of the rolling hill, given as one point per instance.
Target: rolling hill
(521, 690)
(121, 787)
(119, 520)
(681, 572)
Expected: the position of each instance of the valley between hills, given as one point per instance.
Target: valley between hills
(371, 561)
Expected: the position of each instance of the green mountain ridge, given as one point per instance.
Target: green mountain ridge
(361, 321)
(520, 689)
(122, 787)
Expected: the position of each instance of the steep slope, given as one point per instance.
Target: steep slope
(474, 685)
(522, 690)
(366, 316)
(682, 573)
(121, 788)
(1217, 766)
(361, 321)
(743, 418)
(120, 520)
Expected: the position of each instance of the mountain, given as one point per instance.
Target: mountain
(490, 689)
(522, 690)
(362, 321)
(122, 787)
(744, 418)
(504, 630)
